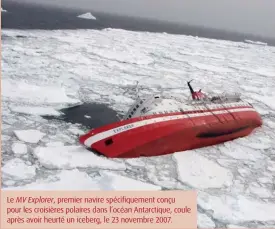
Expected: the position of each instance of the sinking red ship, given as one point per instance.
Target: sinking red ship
(160, 125)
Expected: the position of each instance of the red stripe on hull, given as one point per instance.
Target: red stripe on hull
(174, 135)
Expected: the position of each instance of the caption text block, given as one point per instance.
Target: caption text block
(99, 209)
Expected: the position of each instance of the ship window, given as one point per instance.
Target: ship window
(137, 106)
(141, 102)
(109, 141)
(156, 97)
(130, 116)
(134, 109)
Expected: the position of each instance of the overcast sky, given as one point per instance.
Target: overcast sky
(248, 16)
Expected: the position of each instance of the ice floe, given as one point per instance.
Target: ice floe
(77, 180)
(87, 16)
(235, 209)
(35, 110)
(200, 172)
(69, 157)
(19, 148)
(261, 192)
(256, 42)
(25, 92)
(136, 57)
(210, 67)
(112, 181)
(242, 153)
(29, 136)
(205, 221)
(18, 170)
(54, 144)
(234, 226)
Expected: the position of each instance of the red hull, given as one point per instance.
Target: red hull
(156, 135)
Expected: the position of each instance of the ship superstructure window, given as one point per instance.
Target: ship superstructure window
(137, 106)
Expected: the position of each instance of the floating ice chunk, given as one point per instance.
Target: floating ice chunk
(234, 226)
(87, 116)
(200, 172)
(76, 131)
(111, 181)
(69, 157)
(236, 209)
(204, 221)
(87, 16)
(267, 100)
(5, 137)
(255, 42)
(24, 92)
(210, 67)
(3, 11)
(54, 144)
(122, 99)
(136, 162)
(123, 56)
(267, 179)
(76, 180)
(18, 170)
(65, 180)
(260, 192)
(9, 182)
(30, 136)
(240, 152)
(35, 110)
(271, 166)
(19, 148)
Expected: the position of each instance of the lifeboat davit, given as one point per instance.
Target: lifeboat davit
(159, 125)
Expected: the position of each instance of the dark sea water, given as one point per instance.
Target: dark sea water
(89, 115)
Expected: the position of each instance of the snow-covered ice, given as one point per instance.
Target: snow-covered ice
(54, 144)
(68, 157)
(29, 136)
(77, 180)
(18, 170)
(35, 110)
(205, 222)
(236, 209)
(87, 16)
(256, 42)
(19, 148)
(112, 181)
(64, 180)
(235, 179)
(200, 172)
(3, 10)
(26, 92)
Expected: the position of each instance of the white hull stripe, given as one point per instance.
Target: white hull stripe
(109, 133)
